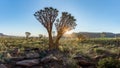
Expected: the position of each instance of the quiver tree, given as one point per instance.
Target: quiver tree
(27, 34)
(47, 17)
(64, 24)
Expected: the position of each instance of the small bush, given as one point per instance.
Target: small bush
(108, 63)
(99, 51)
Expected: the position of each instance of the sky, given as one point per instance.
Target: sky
(16, 16)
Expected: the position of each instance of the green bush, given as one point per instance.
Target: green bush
(99, 51)
(108, 63)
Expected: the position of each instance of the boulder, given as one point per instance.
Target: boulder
(28, 63)
(49, 58)
(79, 57)
(16, 58)
(82, 61)
(32, 55)
(2, 66)
(51, 62)
(1, 62)
(15, 52)
(27, 50)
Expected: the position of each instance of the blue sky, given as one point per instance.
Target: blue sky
(16, 16)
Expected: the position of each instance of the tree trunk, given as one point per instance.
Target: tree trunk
(26, 37)
(57, 41)
(50, 41)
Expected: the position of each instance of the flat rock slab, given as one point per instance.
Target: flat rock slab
(49, 58)
(28, 63)
(17, 58)
(32, 55)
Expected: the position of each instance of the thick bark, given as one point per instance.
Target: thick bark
(50, 41)
(57, 41)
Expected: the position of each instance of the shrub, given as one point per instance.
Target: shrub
(99, 51)
(108, 63)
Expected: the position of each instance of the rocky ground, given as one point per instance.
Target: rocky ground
(36, 58)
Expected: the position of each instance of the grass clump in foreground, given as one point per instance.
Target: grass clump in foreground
(109, 63)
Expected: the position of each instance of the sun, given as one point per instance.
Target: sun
(68, 32)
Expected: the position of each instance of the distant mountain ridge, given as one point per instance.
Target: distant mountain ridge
(98, 34)
(4, 35)
(1, 34)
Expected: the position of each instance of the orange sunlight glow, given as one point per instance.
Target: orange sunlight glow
(68, 32)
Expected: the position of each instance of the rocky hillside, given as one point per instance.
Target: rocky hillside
(98, 35)
(1, 34)
(4, 35)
